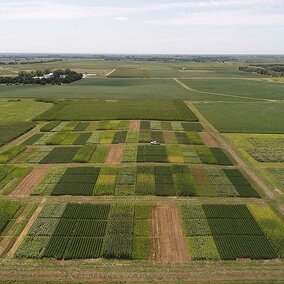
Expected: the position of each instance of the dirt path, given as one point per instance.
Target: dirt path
(19, 240)
(238, 160)
(219, 94)
(168, 242)
(110, 72)
(25, 187)
(115, 153)
(134, 125)
(208, 139)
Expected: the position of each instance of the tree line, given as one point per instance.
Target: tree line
(16, 61)
(273, 70)
(58, 77)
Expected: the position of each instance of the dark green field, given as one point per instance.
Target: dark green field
(123, 109)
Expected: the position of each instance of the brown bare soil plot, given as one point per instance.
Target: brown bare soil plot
(208, 139)
(25, 187)
(115, 153)
(200, 177)
(168, 241)
(134, 125)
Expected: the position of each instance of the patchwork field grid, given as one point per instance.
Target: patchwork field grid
(81, 231)
(227, 232)
(179, 180)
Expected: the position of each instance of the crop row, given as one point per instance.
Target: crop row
(121, 125)
(7, 211)
(114, 137)
(10, 131)
(76, 231)
(228, 232)
(142, 180)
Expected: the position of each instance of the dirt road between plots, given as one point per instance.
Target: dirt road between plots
(25, 187)
(168, 241)
(109, 73)
(19, 240)
(134, 125)
(115, 153)
(208, 139)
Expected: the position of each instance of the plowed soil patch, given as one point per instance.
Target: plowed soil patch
(200, 177)
(168, 241)
(26, 185)
(134, 125)
(115, 153)
(208, 139)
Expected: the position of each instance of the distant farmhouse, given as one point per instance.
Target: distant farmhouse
(45, 76)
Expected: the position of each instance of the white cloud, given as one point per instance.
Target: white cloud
(51, 9)
(225, 19)
(122, 19)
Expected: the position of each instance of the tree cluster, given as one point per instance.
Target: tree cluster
(273, 70)
(36, 77)
(39, 61)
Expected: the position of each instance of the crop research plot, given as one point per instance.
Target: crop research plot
(130, 176)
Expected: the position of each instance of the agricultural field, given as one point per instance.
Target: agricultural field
(145, 171)
(254, 117)
(231, 231)
(10, 131)
(173, 180)
(117, 141)
(121, 109)
(8, 209)
(10, 177)
(242, 88)
(13, 111)
(129, 73)
(82, 231)
(265, 152)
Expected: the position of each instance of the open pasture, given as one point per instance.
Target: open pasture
(81, 231)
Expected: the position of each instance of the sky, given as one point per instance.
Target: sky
(142, 27)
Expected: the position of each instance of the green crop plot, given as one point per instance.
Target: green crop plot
(82, 231)
(10, 176)
(20, 111)
(122, 109)
(244, 117)
(60, 155)
(7, 211)
(179, 180)
(226, 232)
(9, 132)
(241, 88)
